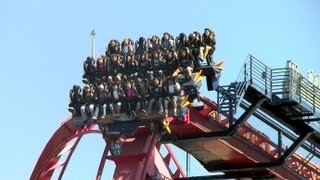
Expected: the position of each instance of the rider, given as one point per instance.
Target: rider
(88, 103)
(172, 90)
(102, 99)
(156, 94)
(131, 95)
(186, 64)
(75, 100)
(208, 44)
(143, 95)
(116, 96)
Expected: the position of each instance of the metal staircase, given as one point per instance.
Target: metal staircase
(291, 99)
(283, 95)
(280, 86)
(230, 96)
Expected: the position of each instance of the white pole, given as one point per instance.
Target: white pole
(93, 43)
(187, 164)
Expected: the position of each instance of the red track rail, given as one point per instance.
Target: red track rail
(197, 122)
(65, 140)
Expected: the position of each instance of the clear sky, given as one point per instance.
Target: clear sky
(43, 45)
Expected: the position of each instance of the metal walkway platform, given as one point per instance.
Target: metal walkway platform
(231, 145)
(237, 149)
(291, 98)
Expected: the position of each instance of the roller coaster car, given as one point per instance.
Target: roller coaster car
(191, 88)
(191, 92)
(128, 126)
(212, 73)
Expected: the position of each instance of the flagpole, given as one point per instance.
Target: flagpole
(93, 43)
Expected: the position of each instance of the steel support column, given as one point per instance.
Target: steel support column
(296, 144)
(245, 116)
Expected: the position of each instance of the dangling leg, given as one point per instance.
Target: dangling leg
(151, 103)
(166, 102)
(174, 104)
(118, 109)
(206, 54)
(160, 102)
(103, 112)
(138, 106)
(112, 110)
(201, 53)
(84, 113)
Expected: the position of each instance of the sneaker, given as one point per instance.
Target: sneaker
(201, 58)
(133, 113)
(71, 109)
(93, 118)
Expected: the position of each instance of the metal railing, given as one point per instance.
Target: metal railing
(281, 83)
(259, 74)
(306, 91)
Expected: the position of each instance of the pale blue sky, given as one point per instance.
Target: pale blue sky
(43, 45)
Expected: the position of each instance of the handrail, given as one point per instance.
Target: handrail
(259, 74)
(281, 83)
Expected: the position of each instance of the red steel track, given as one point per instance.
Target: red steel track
(140, 156)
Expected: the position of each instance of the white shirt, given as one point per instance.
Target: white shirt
(115, 94)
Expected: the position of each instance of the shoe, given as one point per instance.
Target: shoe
(71, 109)
(133, 113)
(93, 118)
(201, 59)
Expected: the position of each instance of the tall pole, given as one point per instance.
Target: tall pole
(93, 44)
(187, 164)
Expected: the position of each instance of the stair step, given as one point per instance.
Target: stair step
(230, 96)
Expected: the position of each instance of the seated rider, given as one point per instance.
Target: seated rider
(127, 46)
(143, 65)
(115, 65)
(89, 69)
(185, 64)
(75, 100)
(208, 44)
(101, 67)
(181, 41)
(171, 90)
(113, 48)
(141, 46)
(171, 63)
(116, 94)
(167, 42)
(130, 65)
(156, 95)
(143, 95)
(154, 44)
(88, 107)
(157, 63)
(131, 98)
(194, 43)
(102, 98)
